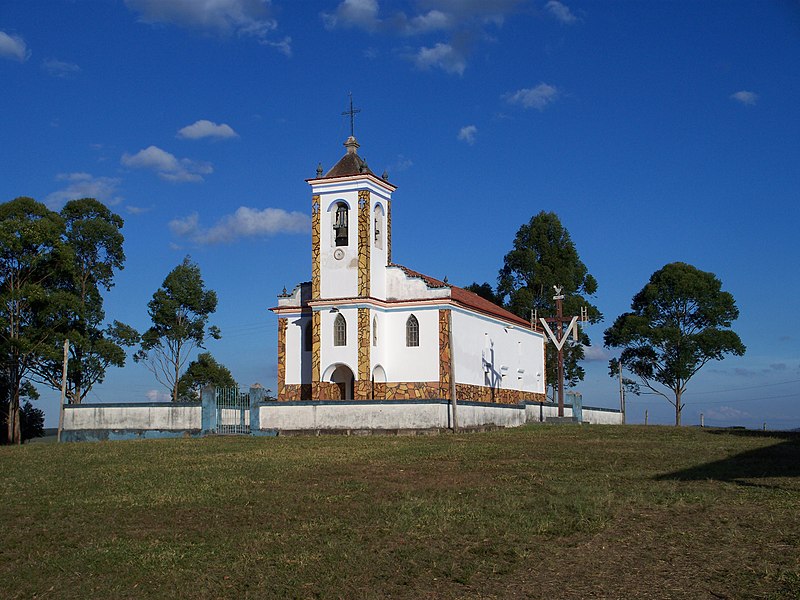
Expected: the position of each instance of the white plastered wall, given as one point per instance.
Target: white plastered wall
(298, 361)
(490, 352)
(338, 277)
(401, 287)
(378, 251)
(403, 363)
(344, 355)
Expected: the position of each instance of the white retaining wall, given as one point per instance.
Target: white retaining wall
(536, 413)
(157, 416)
(341, 415)
(94, 419)
(283, 416)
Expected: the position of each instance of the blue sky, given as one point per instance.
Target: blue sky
(658, 132)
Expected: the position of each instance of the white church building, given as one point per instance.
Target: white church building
(365, 328)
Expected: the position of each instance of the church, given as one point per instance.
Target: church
(365, 328)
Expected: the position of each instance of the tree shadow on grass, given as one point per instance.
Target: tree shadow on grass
(779, 460)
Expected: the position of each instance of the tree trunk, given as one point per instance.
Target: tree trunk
(678, 409)
(14, 432)
(14, 436)
(177, 376)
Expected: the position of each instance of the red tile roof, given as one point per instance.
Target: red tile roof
(467, 298)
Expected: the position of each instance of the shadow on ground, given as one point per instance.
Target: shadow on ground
(779, 460)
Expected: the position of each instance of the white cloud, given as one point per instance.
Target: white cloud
(245, 222)
(560, 12)
(431, 21)
(465, 22)
(158, 396)
(745, 97)
(84, 185)
(137, 210)
(362, 14)
(14, 47)
(440, 15)
(595, 353)
(167, 165)
(467, 134)
(402, 163)
(59, 68)
(245, 18)
(443, 56)
(538, 97)
(726, 413)
(205, 129)
(283, 46)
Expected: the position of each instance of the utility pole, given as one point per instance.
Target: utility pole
(453, 399)
(560, 336)
(621, 393)
(63, 389)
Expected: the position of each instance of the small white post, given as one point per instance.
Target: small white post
(702, 420)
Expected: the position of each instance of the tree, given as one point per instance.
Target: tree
(33, 260)
(544, 256)
(678, 322)
(202, 372)
(485, 291)
(179, 311)
(31, 419)
(92, 233)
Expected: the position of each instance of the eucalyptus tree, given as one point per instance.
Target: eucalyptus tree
(678, 322)
(544, 256)
(33, 262)
(179, 311)
(93, 235)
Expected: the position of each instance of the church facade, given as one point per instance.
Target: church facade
(365, 328)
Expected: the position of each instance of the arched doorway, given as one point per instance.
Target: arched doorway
(343, 377)
(378, 383)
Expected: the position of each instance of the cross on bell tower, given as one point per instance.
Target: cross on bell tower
(352, 112)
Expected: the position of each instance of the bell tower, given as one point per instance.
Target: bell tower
(351, 229)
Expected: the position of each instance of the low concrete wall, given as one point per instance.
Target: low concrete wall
(90, 422)
(343, 415)
(85, 422)
(538, 413)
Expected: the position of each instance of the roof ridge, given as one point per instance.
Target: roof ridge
(465, 297)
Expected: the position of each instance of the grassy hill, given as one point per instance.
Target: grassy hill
(536, 512)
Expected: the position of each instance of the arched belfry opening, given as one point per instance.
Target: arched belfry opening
(340, 222)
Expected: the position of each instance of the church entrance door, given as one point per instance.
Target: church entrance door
(343, 377)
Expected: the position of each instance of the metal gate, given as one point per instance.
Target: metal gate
(232, 411)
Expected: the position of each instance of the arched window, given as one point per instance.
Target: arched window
(378, 223)
(374, 331)
(308, 337)
(412, 331)
(340, 224)
(339, 331)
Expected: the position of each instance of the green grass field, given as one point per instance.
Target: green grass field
(537, 512)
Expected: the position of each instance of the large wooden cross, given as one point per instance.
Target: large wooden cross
(559, 338)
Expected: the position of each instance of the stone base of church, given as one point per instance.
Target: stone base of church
(292, 392)
(482, 393)
(405, 390)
